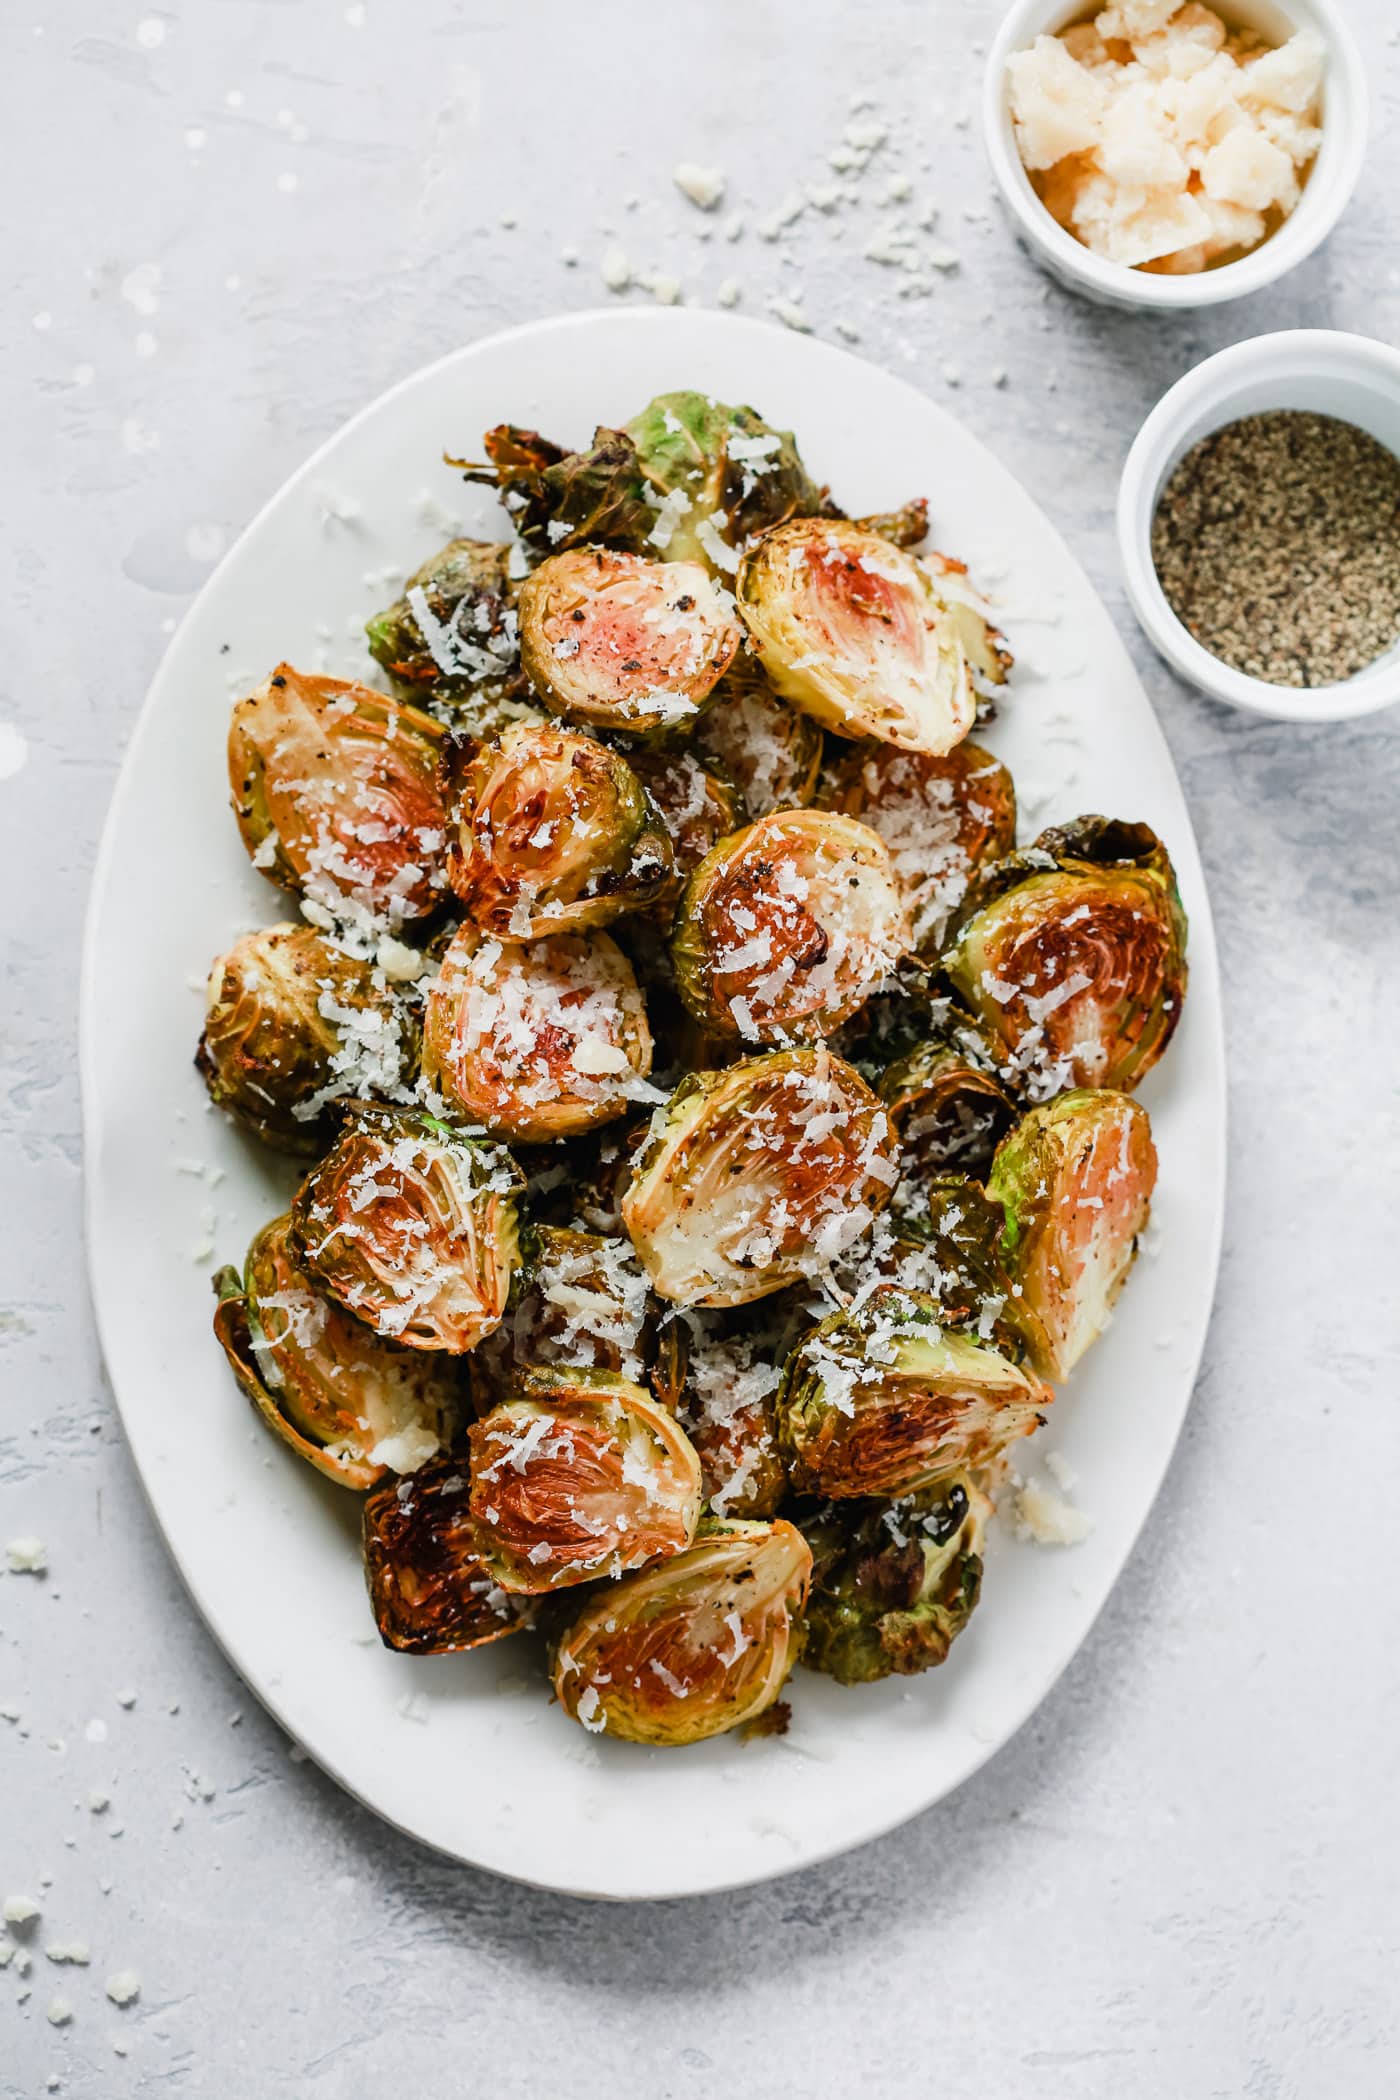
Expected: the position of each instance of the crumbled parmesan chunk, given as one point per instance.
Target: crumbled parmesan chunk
(703, 186)
(27, 1556)
(124, 1988)
(1176, 153)
(1044, 1516)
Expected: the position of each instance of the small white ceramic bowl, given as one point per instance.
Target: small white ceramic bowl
(1326, 192)
(1306, 368)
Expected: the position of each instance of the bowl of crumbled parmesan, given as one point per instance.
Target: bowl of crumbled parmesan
(1168, 154)
(1259, 526)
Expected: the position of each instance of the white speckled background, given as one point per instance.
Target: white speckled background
(231, 223)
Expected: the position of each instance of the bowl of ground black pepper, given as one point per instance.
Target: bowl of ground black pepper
(1259, 526)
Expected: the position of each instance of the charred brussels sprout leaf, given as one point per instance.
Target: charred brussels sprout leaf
(942, 819)
(294, 1023)
(861, 636)
(788, 926)
(452, 633)
(336, 793)
(893, 1589)
(697, 1645)
(430, 1590)
(412, 1228)
(772, 753)
(727, 1411)
(558, 499)
(720, 474)
(1075, 1179)
(1074, 957)
(948, 1105)
(551, 831)
(537, 1041)
(351, 1404)
(753, 1177)
(580, 1474)
(617, 642)
(906, 527)
(881, 1401)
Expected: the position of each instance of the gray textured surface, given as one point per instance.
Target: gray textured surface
(1179, 1879)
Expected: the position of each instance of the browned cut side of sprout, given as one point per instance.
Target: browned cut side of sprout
(551, 832)
(771, 751)
(861, 635)
(354, 1406)
(412, 1227)
(617, 642)
(788, 926)
(430, 1590)
(943, 818)
(755, 1176)
(699, 1644)
(580, 1474)
(335, 789)
(293, 1023)
(537, 1041)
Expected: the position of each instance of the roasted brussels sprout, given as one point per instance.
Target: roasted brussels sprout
(294, 1023)
(757, 1175)
(880, 1401)
(411, 1227)
(721, 474)
(353, 1405)
(558, 499)
(452, 635)
(697, 805)
(861, 636)
(892, 1590)
(942, 819)
(788, 926)
(726, 1409)
(336, 793)
(580, 1474)
(539, 1041)
(697, 1645)
(1074, 956)
(617, 642)
(1075, 1179)
(771, 752)
(950, 1244)
(906, 527)
(551, 832)
(430, 1590)
(949, 1107)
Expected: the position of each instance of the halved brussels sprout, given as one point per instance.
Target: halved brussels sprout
(621, 643)
(880, 1401)
(580, 1474)
(892, 1590)
(951, 1247)
(697, 805)
(558, 499)
(722, 473)
(294, 1023)
(353, 1405)
(860, 635)
(1074, 956)
(700, 1644)
(453, 632)
(726, 1409)
(412, 1227)
(949, 1107)
(581, 1299)
(539, 1041)
(336, 793)
(430, 1590)
(788, 926)
(1075, 1179)
(755, 1176)
(771, 752)
(551, 831)
(942, 819)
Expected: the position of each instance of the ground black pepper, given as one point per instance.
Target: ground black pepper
(1277, 542)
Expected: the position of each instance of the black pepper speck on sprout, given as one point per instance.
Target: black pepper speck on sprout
(1277, 544)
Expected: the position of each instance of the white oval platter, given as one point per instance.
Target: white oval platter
(467, 1753)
